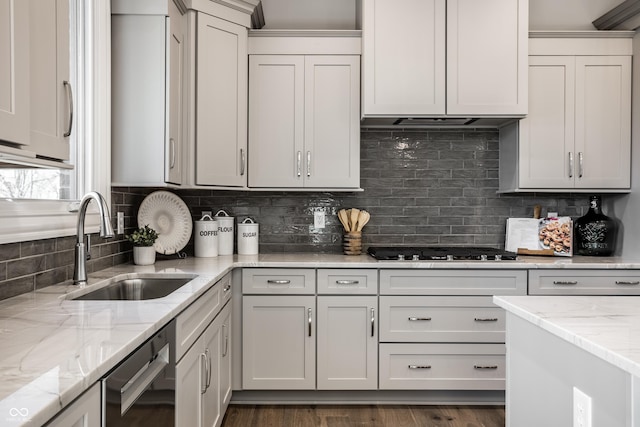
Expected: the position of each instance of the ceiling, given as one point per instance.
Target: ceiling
(341, 14)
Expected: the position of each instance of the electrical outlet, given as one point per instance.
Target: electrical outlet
(581, 409)
(120, 225)
(318, 219)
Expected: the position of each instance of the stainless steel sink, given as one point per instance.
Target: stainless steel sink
(139, 288)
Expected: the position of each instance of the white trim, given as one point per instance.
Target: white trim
(24, 220)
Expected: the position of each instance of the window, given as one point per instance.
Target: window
(38, 203)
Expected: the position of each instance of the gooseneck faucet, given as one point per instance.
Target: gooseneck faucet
(106, 231)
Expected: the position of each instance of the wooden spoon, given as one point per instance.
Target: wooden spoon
(354, 219)
(344, 220)
(363, 219)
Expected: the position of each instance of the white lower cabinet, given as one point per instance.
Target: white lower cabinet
(347, 343)
(83, 412)
(203, 376)
(278, 342)
(584, 282)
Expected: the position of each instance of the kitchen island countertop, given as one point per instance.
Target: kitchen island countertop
(52, 349)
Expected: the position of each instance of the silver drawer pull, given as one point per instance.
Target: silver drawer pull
(565, 282)
(485, 366)
(227, 287)
(625, 282)
(418, 319)
(279, 282)
(419, 366)
(486, 319)
(347, 282)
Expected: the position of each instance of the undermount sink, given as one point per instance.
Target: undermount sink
(137, 288)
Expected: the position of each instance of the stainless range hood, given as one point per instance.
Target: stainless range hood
(435, 122)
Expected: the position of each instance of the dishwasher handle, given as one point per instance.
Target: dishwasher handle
(133, 388)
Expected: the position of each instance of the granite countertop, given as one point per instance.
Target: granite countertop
(52, 349)
(605, 326)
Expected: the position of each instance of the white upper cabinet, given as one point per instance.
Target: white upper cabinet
(444, 57)
(147, 55)
(403, 58)
(304, 122)
(577, 135)
(221, 103)
(14, 71)
(51, 106)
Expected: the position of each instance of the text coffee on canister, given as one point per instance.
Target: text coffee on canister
(225, 232)
(248, 237)
(205, 237)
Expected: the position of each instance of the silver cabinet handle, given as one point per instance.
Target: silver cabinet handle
(625, 282)
(347, 282)
(309, 320)
(225, 333)
(279, 282)
(580, 165)
(206, 352)
(299, 164)
(243, 162)
(172, 144)
(419, 366)
(69, 91)
(373, 322)
(485, 319)
(203, 387)
(565, 282)
(570, 165)
(308, 163)
(226, 288)
(419, 319)
(485, 366)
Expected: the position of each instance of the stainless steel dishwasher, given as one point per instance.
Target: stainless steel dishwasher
(141, 390)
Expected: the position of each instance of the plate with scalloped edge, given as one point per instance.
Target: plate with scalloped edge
(166, 213)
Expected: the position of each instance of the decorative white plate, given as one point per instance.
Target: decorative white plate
(166, 213)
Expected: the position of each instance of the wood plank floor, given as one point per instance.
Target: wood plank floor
(363, 415)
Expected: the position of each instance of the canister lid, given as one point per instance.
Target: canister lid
(206, 217)
(222, 213)
(248, 221)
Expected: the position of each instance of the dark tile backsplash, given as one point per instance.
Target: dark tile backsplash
(421, 187)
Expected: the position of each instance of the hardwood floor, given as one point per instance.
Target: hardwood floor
(363, 415)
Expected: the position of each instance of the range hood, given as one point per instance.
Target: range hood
(435, 122)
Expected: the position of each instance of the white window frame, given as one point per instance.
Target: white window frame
(24, 220)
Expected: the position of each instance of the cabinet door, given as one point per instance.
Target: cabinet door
(276, 121)
(547, 136)
(14, 71)
(51, 105)
(175, 81)
(190, 385)
(403, 57)
(225, 359)
(211, 413)
(278, 342)
(603, 122)
(221, 102)
(331, 121)
(347, 343)
(83, 412)
(487, 45)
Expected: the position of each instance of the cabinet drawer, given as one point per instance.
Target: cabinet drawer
(278, 281)
(442, 366)
(451, 282)
(584, 282)
(441, 319)
(341, 281)
(195, 318)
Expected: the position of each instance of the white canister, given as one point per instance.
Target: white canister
(225, 232)
(247, 237)
(205, 238)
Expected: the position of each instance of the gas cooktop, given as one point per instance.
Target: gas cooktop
(440, 253)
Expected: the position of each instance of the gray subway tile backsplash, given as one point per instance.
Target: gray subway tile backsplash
(422, 187)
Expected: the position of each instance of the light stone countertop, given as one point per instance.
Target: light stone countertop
(52, 349)
(606, 326)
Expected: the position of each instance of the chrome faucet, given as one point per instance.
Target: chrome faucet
(106, 231)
